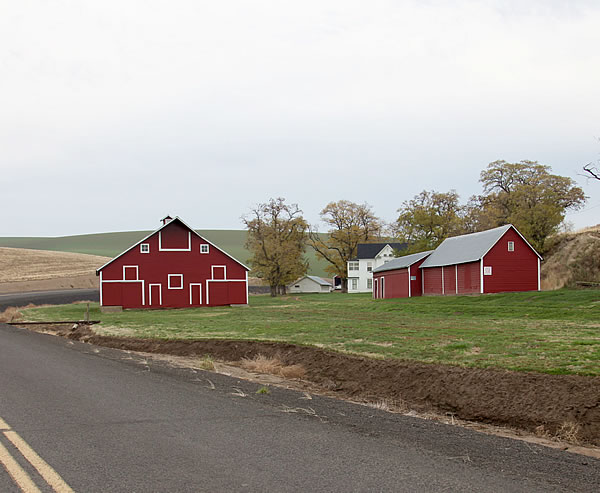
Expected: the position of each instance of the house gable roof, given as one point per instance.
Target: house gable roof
(371, 250)
(319, 280)
(402, 262)
(177, 218)
(468, 248)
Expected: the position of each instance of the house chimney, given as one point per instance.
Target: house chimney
(166, 219)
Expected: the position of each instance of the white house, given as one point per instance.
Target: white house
(369, 256)
(310, 284)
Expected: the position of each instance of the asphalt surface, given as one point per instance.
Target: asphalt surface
(57, 297)
(107, 420)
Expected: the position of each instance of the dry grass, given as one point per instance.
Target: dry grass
(571, 257)
(207, 363)
(272, 366)
(393, 406)
(569, 431)
(10, 315)
(21, 264)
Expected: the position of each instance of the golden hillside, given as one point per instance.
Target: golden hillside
(20, 264)
(572, 257)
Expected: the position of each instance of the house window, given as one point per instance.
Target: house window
(354, 284)
(369, 266)
(487, 271)
(369, 283)
(511, 246)
(175, 281)
(352, 265)
(204, 248)
(145, 248)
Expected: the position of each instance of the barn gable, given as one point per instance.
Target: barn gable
(173, 267)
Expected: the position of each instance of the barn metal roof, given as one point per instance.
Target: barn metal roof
(402, 262)
(468, 248)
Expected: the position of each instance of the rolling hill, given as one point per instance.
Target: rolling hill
(111, 244)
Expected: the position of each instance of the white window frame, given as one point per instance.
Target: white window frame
(369, 266)
(369, 283)
(511, 246)
(169, 276)
(212, 272)
(145, 250)
(353, 265)
(354, 283)
(204, 248)
(487, 270)
(137, 272)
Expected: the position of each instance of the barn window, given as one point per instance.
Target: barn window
(145, 248)
(175, 281)
(487, 271)
(204, 248)
(369, 283)
(511, 246)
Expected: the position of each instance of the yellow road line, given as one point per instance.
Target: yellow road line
(16, 472)
(50, 475)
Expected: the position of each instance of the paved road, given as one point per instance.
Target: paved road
(105, 420)
(58, 297)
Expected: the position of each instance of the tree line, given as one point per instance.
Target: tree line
(525, 194)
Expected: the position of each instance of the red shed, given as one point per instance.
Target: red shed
(173, 267)
(492, 261)
(399, 278)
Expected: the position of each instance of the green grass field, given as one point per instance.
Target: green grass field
(550, 332)
(111, 244)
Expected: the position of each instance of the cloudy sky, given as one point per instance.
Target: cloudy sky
(115, 113)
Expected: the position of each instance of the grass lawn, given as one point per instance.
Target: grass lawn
(551, 332)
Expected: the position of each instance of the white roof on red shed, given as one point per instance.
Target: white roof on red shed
(468, 248)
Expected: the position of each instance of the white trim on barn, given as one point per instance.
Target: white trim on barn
(159, 293)
(199, 284)
(164, 226)
(161, 249)
(169, 281)
(129, 281)
(481, 275)
(212, 272)
(137, 272)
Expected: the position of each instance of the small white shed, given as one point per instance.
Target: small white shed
(310, 284)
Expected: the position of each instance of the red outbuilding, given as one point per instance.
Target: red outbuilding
(173, 267)
(399, 278)
(493, 261)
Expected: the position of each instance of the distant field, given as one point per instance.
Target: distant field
(111, 244)
(18, 264)
(548, 332)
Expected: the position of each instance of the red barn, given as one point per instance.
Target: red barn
(399, 278)
(173, 267)
(493, 261)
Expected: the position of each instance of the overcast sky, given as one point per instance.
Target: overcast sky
(115, 113)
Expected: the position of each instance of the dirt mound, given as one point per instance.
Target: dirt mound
(572, 257)
(529, 401)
